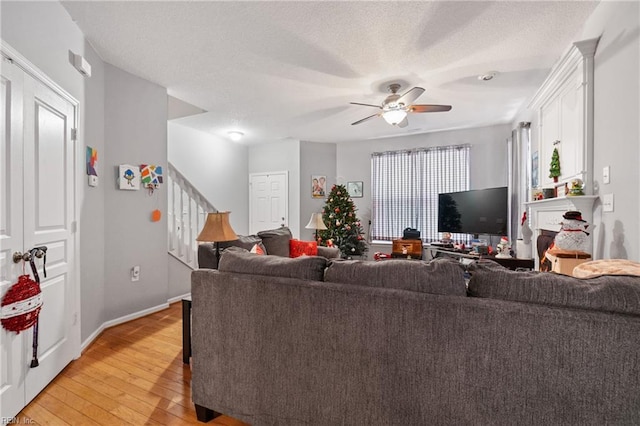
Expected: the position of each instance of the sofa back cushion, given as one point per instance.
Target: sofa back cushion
(619, 294)
(440, 276)
(304, 267)
(207, 251)
(276, 241)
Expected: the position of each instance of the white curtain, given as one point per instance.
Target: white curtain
(405, 188)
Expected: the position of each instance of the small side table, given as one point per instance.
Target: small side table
(186, 329)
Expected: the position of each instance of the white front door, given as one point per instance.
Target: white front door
(38, 209)
(269, 201)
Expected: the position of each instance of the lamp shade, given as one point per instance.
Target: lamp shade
(217, 229)
(316, 222)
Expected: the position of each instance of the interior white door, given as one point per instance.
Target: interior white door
(12, 345)
(269, 200)
(40, 202)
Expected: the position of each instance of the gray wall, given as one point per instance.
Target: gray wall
(278, 157)
(43, 32)
(217, 167)
(617, 126)
(315, 159)
(488, 160)
(136, 133)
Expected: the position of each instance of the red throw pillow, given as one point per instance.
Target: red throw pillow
(299, 248)
(256, 249)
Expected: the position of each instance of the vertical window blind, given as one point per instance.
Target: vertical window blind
(405, 188)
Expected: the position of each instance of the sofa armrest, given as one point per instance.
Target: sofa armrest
(329, 252)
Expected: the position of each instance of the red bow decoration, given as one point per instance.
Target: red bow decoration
(20, 309)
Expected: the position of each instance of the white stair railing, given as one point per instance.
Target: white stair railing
(187, 212)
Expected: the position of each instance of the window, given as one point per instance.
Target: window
(405, 188)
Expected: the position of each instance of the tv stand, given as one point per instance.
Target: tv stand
(467, 257)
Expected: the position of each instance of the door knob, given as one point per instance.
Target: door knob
(19, 257)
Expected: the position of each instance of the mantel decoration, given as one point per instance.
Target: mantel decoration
(344, 229)
(554, 170)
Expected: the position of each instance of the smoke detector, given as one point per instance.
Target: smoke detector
(487, 76)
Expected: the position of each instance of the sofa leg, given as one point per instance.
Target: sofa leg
(205, 414)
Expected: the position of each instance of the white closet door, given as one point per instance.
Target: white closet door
(38, 209)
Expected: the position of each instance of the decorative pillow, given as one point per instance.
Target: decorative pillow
(610, 293)
(440, 276)
(276, 241)
(256, 249)
(305, 267)
(299, 248)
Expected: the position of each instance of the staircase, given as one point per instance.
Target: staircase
(186, 214)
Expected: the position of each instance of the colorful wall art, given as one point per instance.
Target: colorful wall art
(151, 175)
(129, 177)
(92, 161)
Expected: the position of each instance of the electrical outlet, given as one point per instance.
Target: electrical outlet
(135, 273)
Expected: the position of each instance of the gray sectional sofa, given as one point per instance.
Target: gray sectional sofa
(308, 341)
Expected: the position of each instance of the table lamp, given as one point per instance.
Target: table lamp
(216, 230)
(316, 223)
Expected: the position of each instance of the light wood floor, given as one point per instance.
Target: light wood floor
(132, 374)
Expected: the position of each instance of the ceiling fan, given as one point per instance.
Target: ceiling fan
(396, 107)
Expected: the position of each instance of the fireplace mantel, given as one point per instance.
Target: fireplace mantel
(547, 215)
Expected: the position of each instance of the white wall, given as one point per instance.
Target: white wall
(278, 157)
(217, 167)
(488, 159)
(315, 159)
(135, 133)
(617, 125)
(44, 33)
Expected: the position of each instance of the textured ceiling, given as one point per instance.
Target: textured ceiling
(277, 70)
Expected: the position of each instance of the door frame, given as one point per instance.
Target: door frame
(286, 201)
(29, 68)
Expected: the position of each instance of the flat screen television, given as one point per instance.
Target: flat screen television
(482, 211)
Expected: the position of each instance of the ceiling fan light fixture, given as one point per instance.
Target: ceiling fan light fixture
(235, 135)
(394, 116)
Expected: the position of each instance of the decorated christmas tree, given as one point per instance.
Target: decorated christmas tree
(344, 229)
(554, 170)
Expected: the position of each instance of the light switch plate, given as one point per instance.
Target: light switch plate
(605, 174)
(93, 180)
(607, 203)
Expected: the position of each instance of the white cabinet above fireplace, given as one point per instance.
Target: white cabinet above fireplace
(564, 107)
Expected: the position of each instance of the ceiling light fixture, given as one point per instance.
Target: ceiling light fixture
(235, 135)
(394, 116)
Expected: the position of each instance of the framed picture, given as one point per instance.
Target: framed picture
(355, 189)
(318, 186)
(129, 177)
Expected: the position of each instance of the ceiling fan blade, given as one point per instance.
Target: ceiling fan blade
(358, 103)
(410, 96)
(403, 123)
(364, 119)
(429, 108)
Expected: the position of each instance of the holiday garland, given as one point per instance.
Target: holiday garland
(344, 229)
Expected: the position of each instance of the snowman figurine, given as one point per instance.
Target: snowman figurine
(503, 249)
(573, 233)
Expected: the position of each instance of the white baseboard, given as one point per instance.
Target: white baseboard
(178, 298)
(122, 320)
